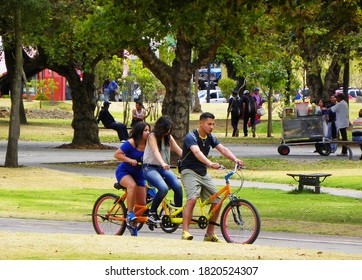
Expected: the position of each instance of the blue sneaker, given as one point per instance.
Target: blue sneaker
(131, 219)
(131, 222)
(133, 230)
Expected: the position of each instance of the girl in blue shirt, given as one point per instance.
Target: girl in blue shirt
(129, 172)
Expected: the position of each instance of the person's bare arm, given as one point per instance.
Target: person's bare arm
(175, 147)
(195, 149)
(120, 156)
(152, 142)
(228, 154)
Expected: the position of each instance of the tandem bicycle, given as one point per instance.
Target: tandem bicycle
(239, 221)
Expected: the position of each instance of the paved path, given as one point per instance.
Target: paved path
(342, 244)
(33, 153)
(44, 154)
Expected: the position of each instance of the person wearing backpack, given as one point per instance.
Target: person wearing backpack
(234, 108)
(249, 107)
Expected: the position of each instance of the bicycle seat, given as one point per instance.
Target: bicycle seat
(117, 186)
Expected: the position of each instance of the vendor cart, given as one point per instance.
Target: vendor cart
(303, 130)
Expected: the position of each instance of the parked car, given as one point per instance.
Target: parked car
(32, 93)
(352, 92)
(216, 96)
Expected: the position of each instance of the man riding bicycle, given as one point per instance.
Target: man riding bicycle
(197, 182)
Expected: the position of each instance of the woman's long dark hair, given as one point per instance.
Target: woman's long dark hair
(163, 128)
(137, 132)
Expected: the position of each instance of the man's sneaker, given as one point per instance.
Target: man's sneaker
(342, 155)
(154, 218)
(212, 238)
(131, 219)
(186, 236)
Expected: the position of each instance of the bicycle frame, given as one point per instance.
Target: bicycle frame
(239, 221)
(223, 193)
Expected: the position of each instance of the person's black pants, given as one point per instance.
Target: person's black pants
(343, 134)
(234, 123)
(121, 130)
(252, 120)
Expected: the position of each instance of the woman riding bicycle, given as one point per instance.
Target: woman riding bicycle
(129, 173)
(156, 165)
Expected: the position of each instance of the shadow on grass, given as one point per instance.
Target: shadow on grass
(304, 191)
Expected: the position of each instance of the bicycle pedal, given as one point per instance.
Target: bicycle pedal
(150, 224)
(151, 227)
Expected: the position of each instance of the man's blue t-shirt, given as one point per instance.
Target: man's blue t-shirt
(189, 161)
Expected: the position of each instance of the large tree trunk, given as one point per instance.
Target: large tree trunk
(332, 76)
(84, 103)
(11, 159)
(314, 80)
(270, 112)
(176, 79)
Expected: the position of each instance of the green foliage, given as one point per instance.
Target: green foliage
(44, 88)
(111, 68)
(226, 85)
(146, 80)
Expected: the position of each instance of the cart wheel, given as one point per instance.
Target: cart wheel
(324, 149)
(283, 150)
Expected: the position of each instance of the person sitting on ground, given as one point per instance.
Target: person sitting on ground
(357, 130)
(156, 165)
(109, 122)
(138, 114)
(129, 172)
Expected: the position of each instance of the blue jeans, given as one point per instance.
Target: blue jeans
(161, 179)
(330, 137)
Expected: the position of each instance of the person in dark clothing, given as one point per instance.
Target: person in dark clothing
(248, 112)
(109, 122)
(331, 122)
(234, 108)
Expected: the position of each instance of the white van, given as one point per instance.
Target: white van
(216, 96)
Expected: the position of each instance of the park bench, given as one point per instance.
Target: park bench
(309, 180)
(348, 145)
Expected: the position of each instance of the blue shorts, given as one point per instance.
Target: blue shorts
(136, 173)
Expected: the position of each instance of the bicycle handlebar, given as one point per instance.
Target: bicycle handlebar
(232, 172)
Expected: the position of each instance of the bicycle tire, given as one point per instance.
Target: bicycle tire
(170, 229)
(240, 222)
(102, 223)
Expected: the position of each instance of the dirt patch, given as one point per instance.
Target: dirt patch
(48, 114)
(39, 114)
(87, 147)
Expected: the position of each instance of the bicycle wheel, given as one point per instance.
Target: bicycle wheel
(166, 224)
(106, 214)
(240, 222)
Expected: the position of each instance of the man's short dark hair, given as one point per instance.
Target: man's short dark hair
(206, 115)
(340, 96)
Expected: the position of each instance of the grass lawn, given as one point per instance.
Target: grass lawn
(55, 195)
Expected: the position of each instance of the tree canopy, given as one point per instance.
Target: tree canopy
(263, 41)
